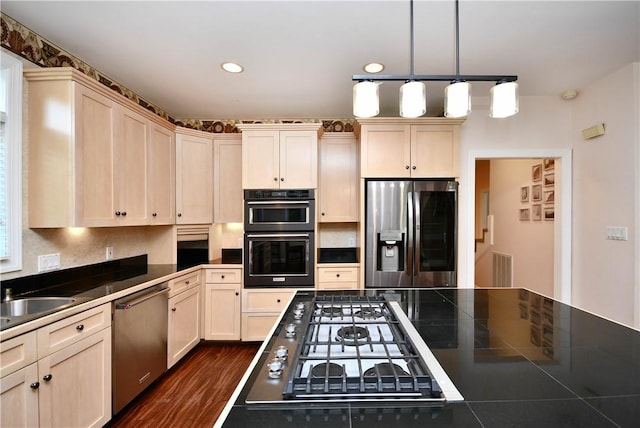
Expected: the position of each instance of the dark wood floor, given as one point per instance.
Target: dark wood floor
(194, 392)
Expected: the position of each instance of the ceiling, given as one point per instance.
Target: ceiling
(299, 56)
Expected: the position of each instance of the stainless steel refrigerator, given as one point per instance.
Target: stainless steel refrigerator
(411, 233)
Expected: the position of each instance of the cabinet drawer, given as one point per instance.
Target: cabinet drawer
(178, 285)
(337, 274)
(17, 353)
(337, 285)
(265, 300)
(224, 276)
(58, 335)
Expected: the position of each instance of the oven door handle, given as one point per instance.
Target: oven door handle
(277, 202)
(280, 235)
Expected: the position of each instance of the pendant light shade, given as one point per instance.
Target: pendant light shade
(366, 101)
(504, 100)
(457, 99)
(413, 99)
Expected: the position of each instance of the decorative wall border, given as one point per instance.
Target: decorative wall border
(22, 41)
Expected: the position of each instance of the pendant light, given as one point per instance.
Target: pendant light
(504, 99)
(457, 95)
(366, 99)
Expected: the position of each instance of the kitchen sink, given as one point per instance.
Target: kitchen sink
(32, 306)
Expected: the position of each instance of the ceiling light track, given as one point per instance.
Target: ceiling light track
(504, 95)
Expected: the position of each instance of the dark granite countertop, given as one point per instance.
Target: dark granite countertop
(518, 358)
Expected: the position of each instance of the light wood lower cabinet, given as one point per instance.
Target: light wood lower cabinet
(183, 332)
(70, 384)
(260, 309)
(184, 324)
(18, 400)
(338, 277)
(222, 304)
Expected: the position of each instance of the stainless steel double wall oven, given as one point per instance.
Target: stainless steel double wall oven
(279, 238)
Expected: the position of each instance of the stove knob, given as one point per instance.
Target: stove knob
(290, 330)
(275, 368)
(297, 313)
(282, 353)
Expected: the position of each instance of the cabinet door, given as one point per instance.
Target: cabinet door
(260, 159)
(75, 384)
(434, 151)
(194, 179)
(162, 175)
(256, 326)
(95, 158)
(19, 398)
(298, 159)
(227, 181)
(222, 312)
(386, 151)
(132, 166)
(338, 187)
(184, 324)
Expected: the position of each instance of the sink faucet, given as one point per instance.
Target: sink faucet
(8, 295)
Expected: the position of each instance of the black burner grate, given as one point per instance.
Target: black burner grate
(360, 350)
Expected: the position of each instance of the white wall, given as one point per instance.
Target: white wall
(606, 193)
(600, 187)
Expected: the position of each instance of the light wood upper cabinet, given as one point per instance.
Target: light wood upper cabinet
(162, 175)
(277, 156)
(339, 178)
(417, 148)
(227, 179)
(194, 177)
(89, 153)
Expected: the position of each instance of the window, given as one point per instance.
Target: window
(10, 163)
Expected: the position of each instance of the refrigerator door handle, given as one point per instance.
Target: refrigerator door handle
(409, 247)
(416, 234)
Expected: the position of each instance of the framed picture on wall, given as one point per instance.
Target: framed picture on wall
(549, 213)
(549, 164)
(549, 196)
(536, 192)
(549, 180)
(536, 212)
(524, 194)
(536, 172)
(525, 214)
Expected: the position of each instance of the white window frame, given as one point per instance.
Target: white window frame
(13, 135)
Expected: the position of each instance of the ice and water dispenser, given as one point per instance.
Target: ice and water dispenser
(390, 248)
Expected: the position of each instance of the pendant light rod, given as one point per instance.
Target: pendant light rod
(411, 37)
(457, 39)
(435, 77)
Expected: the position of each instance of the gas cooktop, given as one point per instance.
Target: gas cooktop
(353, 348)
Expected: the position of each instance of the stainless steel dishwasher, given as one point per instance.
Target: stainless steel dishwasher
(139, 342)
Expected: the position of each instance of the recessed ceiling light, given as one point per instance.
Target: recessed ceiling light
(232, 67)
(374, 67)
(569, 94)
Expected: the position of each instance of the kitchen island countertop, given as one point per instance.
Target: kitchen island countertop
(518, 358)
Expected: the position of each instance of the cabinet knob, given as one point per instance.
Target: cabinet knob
(414, 167)
(237, 294)
(124, 213)
(155, 214)
(187, 282)
(278, 300)
(281, 178)
(321, 213)
(80, 327)
(117, 212)
(47, 377)
(221, 276)
(173, 309)
(337, 275)
(179, 214)
(275, 178)
(406, 167)
(34, 385)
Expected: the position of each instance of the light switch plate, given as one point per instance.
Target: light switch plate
(617, 233)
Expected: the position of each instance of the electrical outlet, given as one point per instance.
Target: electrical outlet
(617, 233)
(109, 253)
(47, 262)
